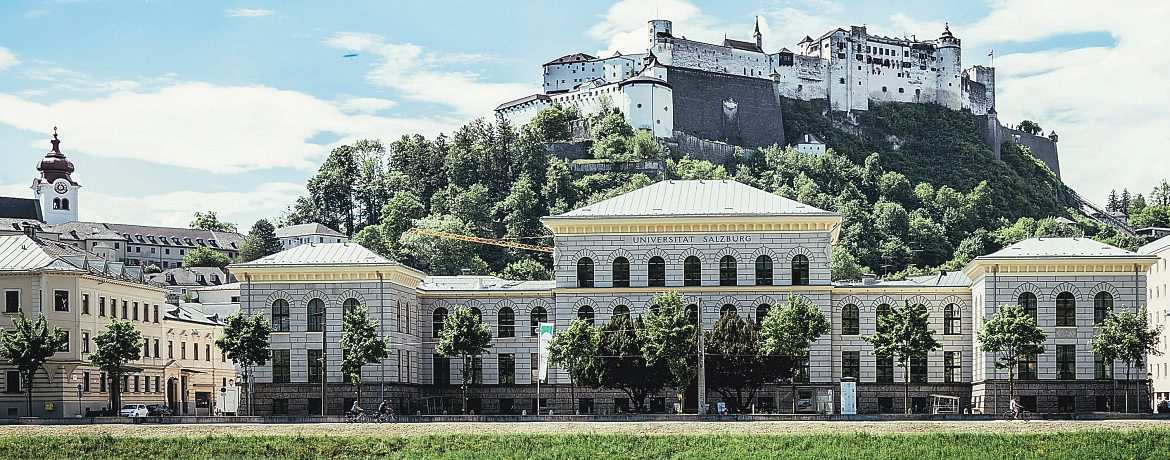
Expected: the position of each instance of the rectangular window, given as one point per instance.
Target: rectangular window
(85, 304)
(136, 388)
(442, 369)
(314, 363)
(85, 382)
(170, 349)
(534, 367)
(279, 406)
(102, 382)
(65, 344)
(952, 366)
(207, 352)
(918, 369)
(125, 310)
(182, 350)
(146, 313)
(401, 377)
(885, 369)
(851, 364)
(1027, 369)
(158, 389)
(61, 300)
(1101, 369)
(134, 314)
(11, 301)
(507, 369)
(12, 382)
(1066, 362)
(1066, 404)
(885, 405)
(84, 342)
(475, 370)
(101, 306)
(156, 348)
(280, 366)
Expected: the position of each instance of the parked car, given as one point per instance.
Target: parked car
(159, 410)
(134, 410)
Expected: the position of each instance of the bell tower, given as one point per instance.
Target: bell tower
(55, 187)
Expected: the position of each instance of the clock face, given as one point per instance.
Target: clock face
(61, 187)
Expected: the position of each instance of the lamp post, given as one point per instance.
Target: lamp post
(80, 411)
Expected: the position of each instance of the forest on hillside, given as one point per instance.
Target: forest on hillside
(917, 189)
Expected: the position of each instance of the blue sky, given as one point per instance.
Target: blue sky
(172, 106)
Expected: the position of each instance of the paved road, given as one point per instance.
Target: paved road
(643, 428)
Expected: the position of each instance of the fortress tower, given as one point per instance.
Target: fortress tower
(661, 40)
(950, 70)
(55, 187)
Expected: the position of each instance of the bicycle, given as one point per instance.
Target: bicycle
(1022, 415)
(359, 418)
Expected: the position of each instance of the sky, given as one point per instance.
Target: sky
(168, 107)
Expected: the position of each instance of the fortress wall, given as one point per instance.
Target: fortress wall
(700, 109)
(1042, 147)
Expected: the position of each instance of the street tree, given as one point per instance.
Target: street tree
(205, 257)
(621, 364)
(117, 346)
(260, 242)
(1011, 335)
(1126, 336)
(670, 340)
(789, 331)
(27, 345)
(245, 342)
(736, 367)
(360, 345)
(464, 335)
(575, 350)
(904, 334)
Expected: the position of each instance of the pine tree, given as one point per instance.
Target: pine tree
(1123, 203)
(1112, 203)
(260, 242)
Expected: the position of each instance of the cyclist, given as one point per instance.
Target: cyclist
(385, 410)
(356, 410)
(1016, 409)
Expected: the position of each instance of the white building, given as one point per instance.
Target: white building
(55, 188)
(809, 144)
(1158, 309)
(296, 235)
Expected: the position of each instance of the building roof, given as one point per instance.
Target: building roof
(482, 283)
(1156, 246)
(21, 253)
(742, 45)
(523, 100)
(322, 254)
(176, 236)
(306, 229)
(86, 231)
(695, 198)
(17, 225)
(809, 139)
(1079, 248)
(644, 79)
(20, 208)
(194, 313)
(190, 276)
(941, 279)
(571, 58)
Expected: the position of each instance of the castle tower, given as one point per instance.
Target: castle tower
(759, 37)
(661, 40)
(55, 187)
(950, 69)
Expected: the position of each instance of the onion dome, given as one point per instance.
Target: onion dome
(55, 166)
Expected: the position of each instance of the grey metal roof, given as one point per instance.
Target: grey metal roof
(306, 229)
(321, 254)
(1155, 246)
(941, 279)
(189, 276)
(695, 198)
(810, 139)
(21, 253)
(179, 236)
(482, 283)
(1058, 247)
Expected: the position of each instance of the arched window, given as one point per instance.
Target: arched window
(1102, 307)
(65, 204)
(621, 310)
(279, 315)
(438, 317)
(537, 316)
(762, 312)
(56, 203)
(585, 272)
(693, 313)
(728, 309)
(800, 270)
(727, 271)
(316, 315)
(1027, 300)
(850, 320)
(349, 305)
(585, 313)
(883, 311)
(692, 271)
(656, 272)
(763, 271)
(1066, 310)
(952, 324)
(506, 322)
(478, 314)
(621, 272)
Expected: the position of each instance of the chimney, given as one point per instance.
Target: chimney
(869, 279)
(30, 230)
(465, 271)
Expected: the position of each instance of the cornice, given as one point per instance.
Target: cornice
(566, 226)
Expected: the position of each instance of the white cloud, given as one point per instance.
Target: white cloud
(205, 126)
(367, 105)
(174, 208)
(248, 13)
(7, 59)
(425, 76)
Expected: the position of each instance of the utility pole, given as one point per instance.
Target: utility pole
(701, 390)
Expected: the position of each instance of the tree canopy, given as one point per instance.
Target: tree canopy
(205, 257)
(117, 346)
(27, 345)
(210, 221)
(260, 242)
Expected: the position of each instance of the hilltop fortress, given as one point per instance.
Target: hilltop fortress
(686, 89)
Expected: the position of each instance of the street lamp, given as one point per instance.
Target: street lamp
(79, 409)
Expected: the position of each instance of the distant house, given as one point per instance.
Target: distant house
(188, 280)
(296, 235)
(810, 144)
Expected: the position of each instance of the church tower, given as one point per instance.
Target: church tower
(759, 37)
(55, 187)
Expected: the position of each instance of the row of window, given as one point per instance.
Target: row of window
(282, 365)
(506, 369)
(1066, 307)
(315, 320)
(693, 271)
(884, 367)
(14, 383)
(12, 304)
(851, 319)
(505, 321)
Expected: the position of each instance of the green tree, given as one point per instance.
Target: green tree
(27, 345)
(360, 345)
(736, 367)
(621, 364)
(205, 257)
(904, 334)
(526, 269)
(1030, 127)
(559, 190)
(210, 221)
(464, 335)
(522, 210)
(332, 189)
(398, 216)
(372, 237)
(260, 242)
(789, 331)
(372, 188)
(670, 340)
(688, 169)
(1128, 337)
(844, 266)
(891, 219)
(442, 256)
(894, 186)
(552, 123)
(151, 269)
(245, 342)
(119, 344)
(1010, 336)
(575, 350)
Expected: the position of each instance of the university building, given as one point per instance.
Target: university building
(727, 248)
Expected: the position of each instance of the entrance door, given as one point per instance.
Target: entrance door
(173, 396)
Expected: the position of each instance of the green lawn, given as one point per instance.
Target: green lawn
(1069, 445)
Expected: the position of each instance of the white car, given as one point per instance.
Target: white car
(134, 410)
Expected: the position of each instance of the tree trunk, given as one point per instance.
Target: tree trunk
(463, 388)
(793, 380)
(1127, 382)
(29, 391)
(116, 392)
(1011, 384)
(906, 395)
(359, 391)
